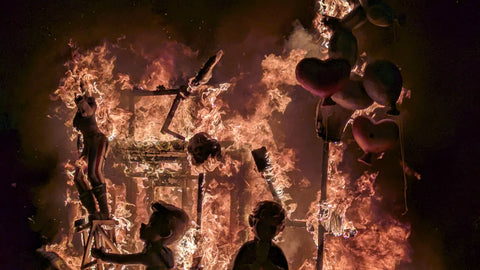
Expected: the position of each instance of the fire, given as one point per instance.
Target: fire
(206, 111)
(331, 8)
(155, 166)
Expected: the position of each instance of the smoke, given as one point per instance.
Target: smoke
(300, 38)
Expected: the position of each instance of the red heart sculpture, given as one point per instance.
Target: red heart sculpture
(374, 137)
(322, 78)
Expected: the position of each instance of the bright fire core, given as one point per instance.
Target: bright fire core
(145, 165)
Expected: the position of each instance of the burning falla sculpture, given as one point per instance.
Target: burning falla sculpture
(95, 148)
(166, 225)
(201, 147)
(267, 220)
(181, 93)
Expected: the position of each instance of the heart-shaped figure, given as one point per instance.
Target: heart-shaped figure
(352, 96)
(374, 137)
(383, 83)
(322, 78)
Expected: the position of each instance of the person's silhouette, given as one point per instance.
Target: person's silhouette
(267, 220)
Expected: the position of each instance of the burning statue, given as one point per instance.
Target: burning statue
(167, 224)
(201, 146)
(267, 220)
(95, 148)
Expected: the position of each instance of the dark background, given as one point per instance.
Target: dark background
(438, 50)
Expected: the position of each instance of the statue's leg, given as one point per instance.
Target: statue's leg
(100, 193)
(86, 195)
(96, 159)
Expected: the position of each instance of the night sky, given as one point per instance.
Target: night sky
(438, 50)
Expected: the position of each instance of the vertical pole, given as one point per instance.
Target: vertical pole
(184, 193)
(201, 180)
(131, 108)
(323, 198)
(197, 259)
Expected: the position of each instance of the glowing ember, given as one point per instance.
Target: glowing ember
(331, 8)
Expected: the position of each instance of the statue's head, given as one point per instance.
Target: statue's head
(267, 220)
(201, 146)
(86, 105)
(167, 224)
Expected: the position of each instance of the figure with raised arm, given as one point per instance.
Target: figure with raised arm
(167, 224)
(95, 147)
(267, 220)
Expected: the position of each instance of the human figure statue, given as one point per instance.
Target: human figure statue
(267, 220)
(167, 224)
(95, 146)
(201, 146)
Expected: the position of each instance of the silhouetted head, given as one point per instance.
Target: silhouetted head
(331, 22)
(167, 224)
(267, 220)
(85, 105)
(201, 146)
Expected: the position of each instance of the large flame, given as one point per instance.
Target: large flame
(232, 185)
